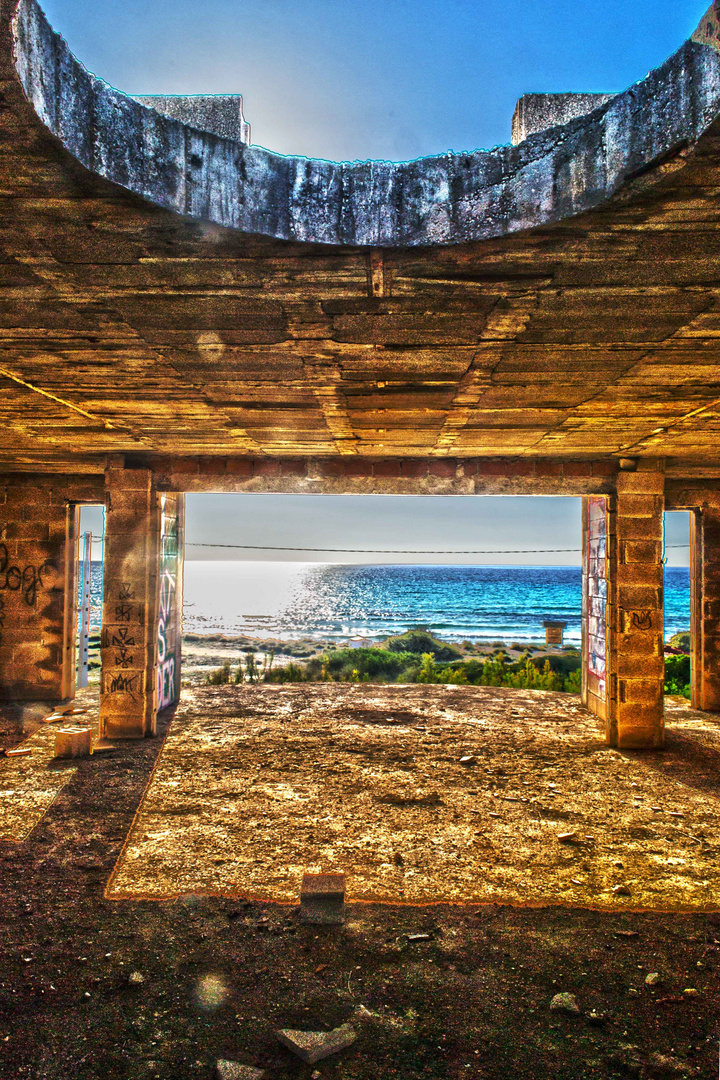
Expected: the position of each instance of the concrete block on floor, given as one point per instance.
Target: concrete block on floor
(312, 1046)
(233, 1070)
(322, 898)
(73, 742)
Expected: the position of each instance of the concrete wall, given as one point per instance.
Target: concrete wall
(538, 112)
(38, 584)
(448, 199)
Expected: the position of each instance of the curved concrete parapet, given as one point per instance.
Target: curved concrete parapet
(450, 199)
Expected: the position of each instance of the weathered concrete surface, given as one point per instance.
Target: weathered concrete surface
(448, 199)
(538, 112)
(219, 114)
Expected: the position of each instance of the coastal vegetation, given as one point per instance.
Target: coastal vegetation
(419, 657)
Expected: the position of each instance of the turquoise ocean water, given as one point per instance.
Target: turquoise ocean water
(330, 601)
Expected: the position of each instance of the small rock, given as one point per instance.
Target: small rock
(621, 890)
(317, 1075)
(691, 992)
(567, 837)
(619, 865)
(627, 933)
(632, 992)
(653, 979)
(597, 1019)
(566, 1003)
(418, 937)
(232, 1070)
(312, 1046)
(135, 978)
(468, 760)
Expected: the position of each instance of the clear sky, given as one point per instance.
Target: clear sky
(355, 79)
(420, 523)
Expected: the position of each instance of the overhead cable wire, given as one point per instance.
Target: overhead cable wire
(399, 551)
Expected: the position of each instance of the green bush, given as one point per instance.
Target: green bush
(220, 676)
(677, 675)
(421, 641)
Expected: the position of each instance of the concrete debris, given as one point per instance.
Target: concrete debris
(653, 979)
(312, 1046)
(322, 898)
(232, 1070)
(565, 1003)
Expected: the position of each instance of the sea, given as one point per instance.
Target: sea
(334, 602)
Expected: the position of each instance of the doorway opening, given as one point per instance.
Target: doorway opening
(677, 604)
(90, 554)
(362, 588)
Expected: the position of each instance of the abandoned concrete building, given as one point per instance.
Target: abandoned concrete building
(181, 311)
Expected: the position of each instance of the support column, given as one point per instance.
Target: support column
(636, 657)
(705, 604)
(38, 584)
(130, 608)
(169, 636)
(595, 521)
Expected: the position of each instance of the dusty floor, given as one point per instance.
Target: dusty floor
(258, 784)
(219, 975)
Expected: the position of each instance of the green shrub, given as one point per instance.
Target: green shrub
(677, 675)
(220, 676)
(420, 642)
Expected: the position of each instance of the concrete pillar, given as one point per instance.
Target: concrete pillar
(636, 656)
(595, 623)
(705, 604)
(170, 592)
(38, 582)
(130, 605)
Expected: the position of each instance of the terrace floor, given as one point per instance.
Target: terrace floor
(254, 785)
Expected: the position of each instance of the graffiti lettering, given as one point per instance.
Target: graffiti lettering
(126, 592)
(25, 581)
(123, 684)
(123, 612)
(123, 659)
(166, 683)
(642, 620)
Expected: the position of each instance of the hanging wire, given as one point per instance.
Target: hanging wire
(406, 551)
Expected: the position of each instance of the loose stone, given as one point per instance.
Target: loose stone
(312, 1046)
(566, 1003)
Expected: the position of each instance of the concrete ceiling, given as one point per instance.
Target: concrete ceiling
(129, 327)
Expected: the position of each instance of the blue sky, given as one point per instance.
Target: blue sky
(349, 79)
(356, 79)
(424, 523)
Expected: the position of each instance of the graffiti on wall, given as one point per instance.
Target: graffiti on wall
(597, 591)
(25, 581)
(169, 629)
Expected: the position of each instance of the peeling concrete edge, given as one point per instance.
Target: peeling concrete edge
(444, 200)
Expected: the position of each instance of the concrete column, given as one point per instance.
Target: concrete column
(130, 605)
(595, 633)
(636, 657)
(170, 593)
(705, 604)
(38, 580)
